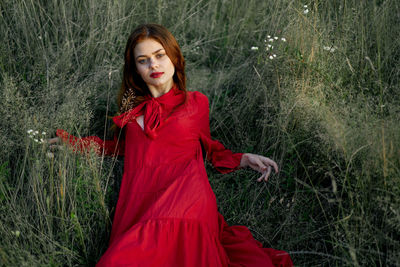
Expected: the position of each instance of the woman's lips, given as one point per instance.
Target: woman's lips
(156, 74)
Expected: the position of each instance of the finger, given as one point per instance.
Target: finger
(55, 147)
(53, 140)
(275, 166)
(262, 176)
(267, 173)
(259, 164)
(270, 162)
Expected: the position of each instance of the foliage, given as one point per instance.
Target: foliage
(323, 102)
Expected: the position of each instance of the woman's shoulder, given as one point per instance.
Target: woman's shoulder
(198, 97)
(199, 104)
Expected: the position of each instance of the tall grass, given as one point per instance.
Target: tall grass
(326, 108)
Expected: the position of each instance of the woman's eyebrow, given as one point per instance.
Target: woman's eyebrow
(155, 52)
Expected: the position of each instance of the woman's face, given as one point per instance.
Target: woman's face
(153, 64)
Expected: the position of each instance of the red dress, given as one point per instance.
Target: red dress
(166, 213)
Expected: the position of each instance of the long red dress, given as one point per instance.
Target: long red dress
(166, 213)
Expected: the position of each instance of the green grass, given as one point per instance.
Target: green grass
(329, 118)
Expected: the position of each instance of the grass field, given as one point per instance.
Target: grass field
(322, 99)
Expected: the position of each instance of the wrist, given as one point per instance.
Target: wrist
(244, 161)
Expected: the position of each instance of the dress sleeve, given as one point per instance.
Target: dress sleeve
(113, 147)
(223, 159)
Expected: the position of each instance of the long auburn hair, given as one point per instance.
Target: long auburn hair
(132, 79)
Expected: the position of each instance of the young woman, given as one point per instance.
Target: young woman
(166, 213)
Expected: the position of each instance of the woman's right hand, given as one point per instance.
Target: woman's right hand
(259, 163)
(54, 145)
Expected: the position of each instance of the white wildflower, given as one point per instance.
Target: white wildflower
(276, 38)
(43, 133)
(270, 40)
(36, 132)
(265, 40)
(254, 48)
(36, 140)
(41, 140)
(305, 6)
(268, 36)
(283, 39)
(330, 48)
(40, 37)
(305, 11)
(271, 57)
(274, 55)
(29, 131)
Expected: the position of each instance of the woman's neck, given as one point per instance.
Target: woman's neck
(159, 91)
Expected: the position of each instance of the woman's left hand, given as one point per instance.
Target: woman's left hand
(259, 163)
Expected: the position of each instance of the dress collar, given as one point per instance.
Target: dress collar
(154, 109)
(165, 97)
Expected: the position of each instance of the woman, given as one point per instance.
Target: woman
(166, 213)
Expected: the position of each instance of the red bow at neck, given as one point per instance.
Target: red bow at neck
(154, 109)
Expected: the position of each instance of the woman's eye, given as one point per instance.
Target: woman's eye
(160, 55)
(141, 61)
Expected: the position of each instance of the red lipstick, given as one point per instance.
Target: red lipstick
(156, 74)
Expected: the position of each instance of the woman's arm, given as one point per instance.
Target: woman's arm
(223, 159)
(85, 144)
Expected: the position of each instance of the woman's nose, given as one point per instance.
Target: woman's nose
(153, 63)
